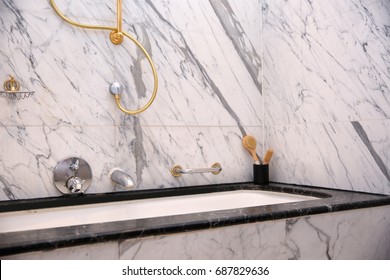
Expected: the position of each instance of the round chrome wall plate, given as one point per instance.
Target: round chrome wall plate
(69, 168)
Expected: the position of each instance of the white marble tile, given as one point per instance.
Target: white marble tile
(326, 72)
(29, 155)
(250, 20)
(336, 155)
(357, 234)
(148, 154)
(253, 241)
(281, 60)
(322, 64)
(71, 68)
(203, 78)
(63, 66)
(26, 5)
(331, 64)
(209, 67)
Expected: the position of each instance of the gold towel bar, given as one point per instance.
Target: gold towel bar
(177, 170)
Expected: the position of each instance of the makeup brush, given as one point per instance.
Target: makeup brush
(249, 143)
(268, 155)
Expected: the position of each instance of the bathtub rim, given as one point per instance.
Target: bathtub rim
(92, 198)
(335, 200)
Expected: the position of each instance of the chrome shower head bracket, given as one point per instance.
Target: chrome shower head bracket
(116, 88)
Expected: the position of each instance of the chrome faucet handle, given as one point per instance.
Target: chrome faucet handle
(75, 165)
(75, 184)
(72, 175)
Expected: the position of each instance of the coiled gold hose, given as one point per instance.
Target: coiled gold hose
(116, 37)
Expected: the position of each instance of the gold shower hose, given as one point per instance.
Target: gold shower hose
(116, 37)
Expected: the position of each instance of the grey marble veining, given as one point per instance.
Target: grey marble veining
(333, 155)
(311, 73)
(209, 86)
(153, 159)
(326, 92)
(326, 63)
(334, 236)
(42, 147)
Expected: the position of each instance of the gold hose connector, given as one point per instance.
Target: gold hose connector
(116, 37)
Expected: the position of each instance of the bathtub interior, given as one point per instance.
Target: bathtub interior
(34, 219)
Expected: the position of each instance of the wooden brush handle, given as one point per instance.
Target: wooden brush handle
(268, 155)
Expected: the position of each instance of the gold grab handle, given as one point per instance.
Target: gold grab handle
(116, 37)
(177, 170)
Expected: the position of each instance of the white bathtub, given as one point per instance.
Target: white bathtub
(138, 209)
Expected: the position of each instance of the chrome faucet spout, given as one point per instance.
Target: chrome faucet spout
(121, 178)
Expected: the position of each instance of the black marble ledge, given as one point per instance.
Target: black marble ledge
(331, 201)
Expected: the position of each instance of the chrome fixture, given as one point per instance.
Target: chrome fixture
(11, 90)
(116, 36)
(116, 88)
(177, 170)
(72, 176)
(121, 178)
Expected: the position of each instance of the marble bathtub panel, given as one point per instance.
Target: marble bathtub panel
(29, 155)
(349, 235)
(337, 61)
(350, 155)
(97, 251)
(148, 154)
(357, 234)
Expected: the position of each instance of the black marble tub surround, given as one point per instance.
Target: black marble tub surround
(24, 241)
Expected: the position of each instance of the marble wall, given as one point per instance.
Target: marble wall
(347, 235)
(327, 92)
(309, 78)
(208, 57)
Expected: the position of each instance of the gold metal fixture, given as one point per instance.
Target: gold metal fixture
(177, 170)
(11, 85)
(11, 90)
(116, 37)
